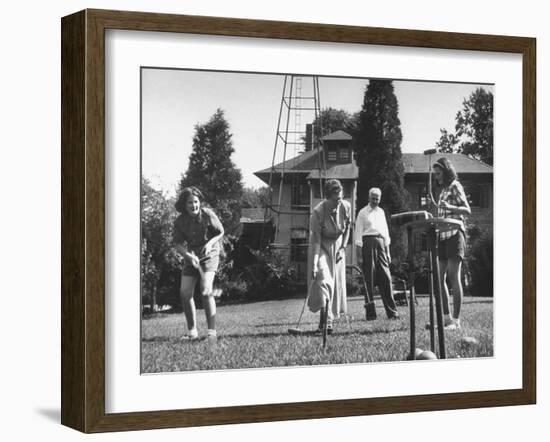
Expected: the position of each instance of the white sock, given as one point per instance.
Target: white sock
(212, 332)
(193, 332)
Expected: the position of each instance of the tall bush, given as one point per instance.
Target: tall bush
(479, 261)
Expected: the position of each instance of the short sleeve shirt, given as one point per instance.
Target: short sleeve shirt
(453, 194)
(196, 231)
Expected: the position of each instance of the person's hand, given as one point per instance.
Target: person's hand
(314, 271)
(430, 200)
(359, 256)
(207, 249)
(194, 260)
(445, 205)
(341, 254)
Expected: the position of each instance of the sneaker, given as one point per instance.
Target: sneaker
(330, 329)
(212, 335)
(191, 335)
(447, 322)
(453, 325)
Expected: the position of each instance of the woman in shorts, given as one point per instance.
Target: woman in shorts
(196, 235)
(452, 203)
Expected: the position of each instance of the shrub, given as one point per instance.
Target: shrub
(260, 276)
(354, 286)
(479, 261)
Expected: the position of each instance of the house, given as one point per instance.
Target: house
(475, 176)
(297, 188)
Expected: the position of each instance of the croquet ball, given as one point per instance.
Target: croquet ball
(417, 353)
(468, 341)
(427, 354)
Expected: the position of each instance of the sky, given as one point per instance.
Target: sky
(174, 101)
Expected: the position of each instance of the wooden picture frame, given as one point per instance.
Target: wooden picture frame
(83, 220)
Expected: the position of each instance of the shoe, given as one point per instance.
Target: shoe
(453, 325)
(370, 311)
(191, 335)
(212, 335)
(448, 321)
(394, 317)
(330, 329)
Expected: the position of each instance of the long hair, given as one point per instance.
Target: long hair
(449, 171)
(185, 194)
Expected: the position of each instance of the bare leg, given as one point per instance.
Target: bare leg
(187, 288)
(209, 303)
(454, 266)
(444, 288)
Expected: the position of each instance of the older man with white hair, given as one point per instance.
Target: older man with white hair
(372, 240)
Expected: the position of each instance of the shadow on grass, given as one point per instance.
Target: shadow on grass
(338, 332)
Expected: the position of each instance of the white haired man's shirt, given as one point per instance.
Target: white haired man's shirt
(371, 221)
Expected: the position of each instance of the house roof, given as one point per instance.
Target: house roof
(337, 135)
(418, 163)
(303, 163)
(308, 163)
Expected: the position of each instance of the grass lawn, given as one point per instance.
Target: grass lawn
(255, 335)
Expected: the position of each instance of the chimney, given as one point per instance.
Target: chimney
(309, 137)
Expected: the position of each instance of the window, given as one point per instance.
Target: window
(298, 249)
(344, 155)
(331, 155)
(300, 195)
(477, 195)
(422, 195)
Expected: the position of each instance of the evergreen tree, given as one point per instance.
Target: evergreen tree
(377, 148)
(212, 170)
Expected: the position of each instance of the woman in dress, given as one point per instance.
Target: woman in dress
(197, 234)
(452, 203)
(329, 233)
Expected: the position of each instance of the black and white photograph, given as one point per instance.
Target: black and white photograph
(301, 220)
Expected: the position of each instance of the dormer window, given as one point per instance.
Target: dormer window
(344, 155)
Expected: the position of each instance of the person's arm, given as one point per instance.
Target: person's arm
(463, 208)
(345, 238)
(180, 244)
(386, 235)
(358, 233)
(217, 227)
(314, 242)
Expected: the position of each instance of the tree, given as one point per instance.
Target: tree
(473, 129)
(159, 264)
(253, 198)
(377, 148)
(212, 170)
(332, 120)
